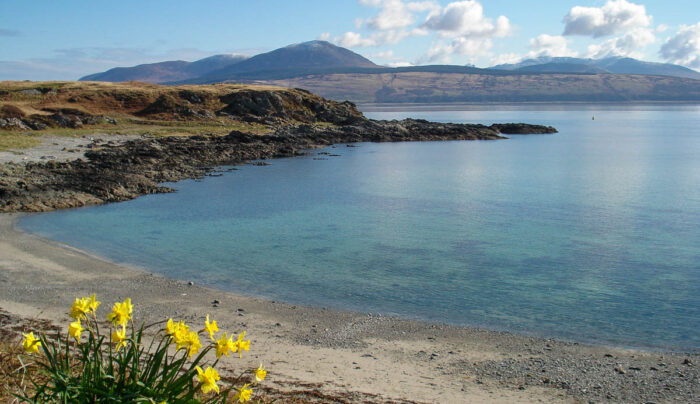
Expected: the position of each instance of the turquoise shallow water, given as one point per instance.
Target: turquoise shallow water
(592, 234)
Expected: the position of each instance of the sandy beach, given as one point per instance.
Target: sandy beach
(349, 356)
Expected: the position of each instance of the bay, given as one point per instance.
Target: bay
(591, 234)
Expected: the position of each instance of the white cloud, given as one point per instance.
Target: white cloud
(470, 47)
(356, 40)
(684, 47)
(395, 14)
(466, 18)
(549, 45)
(631, 44)
(388, 55)
(324, 36)
(662, 28)
(614, 17)
(399, 64)
(506, 58)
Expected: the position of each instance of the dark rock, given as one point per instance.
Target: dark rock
(14, 123)
(36, 125)
(522, 129)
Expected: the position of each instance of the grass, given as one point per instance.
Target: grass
(16, 140)
(125, 103)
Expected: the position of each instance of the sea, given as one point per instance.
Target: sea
(590, 235)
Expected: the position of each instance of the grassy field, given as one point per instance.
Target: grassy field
(136, 109)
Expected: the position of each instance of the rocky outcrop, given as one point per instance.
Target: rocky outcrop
(121, 172)
(522, 129)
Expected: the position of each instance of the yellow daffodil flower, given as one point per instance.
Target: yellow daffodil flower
(30, 343)
(208, 379)
(74, 330)
(243, 394)
(193, 343)
(93, 304)
(121, 312)
(80, 307)
(240, 344)
(119, 337)
(260, 374)
(83, 306)
(171, 327)
(225, 345)
(211, 328)
(180, 333)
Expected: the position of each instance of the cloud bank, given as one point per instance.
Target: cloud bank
(684, 47)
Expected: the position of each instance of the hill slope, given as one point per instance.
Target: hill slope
(302, 56)
(616, 65)
(424, 86)
(166, 71)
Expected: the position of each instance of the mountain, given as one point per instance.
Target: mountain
(166, 71)
(412, 86)
(615, 65)
(300, 57)
(340, 74)
(563, 68)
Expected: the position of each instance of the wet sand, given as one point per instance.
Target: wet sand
(356, 356)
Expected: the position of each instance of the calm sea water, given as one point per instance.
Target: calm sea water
(592, 234)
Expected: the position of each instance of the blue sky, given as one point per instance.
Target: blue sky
(44, 40)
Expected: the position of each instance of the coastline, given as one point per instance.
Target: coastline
(361, 357)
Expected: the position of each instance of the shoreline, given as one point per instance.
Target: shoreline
(620, 346)
(376, 358)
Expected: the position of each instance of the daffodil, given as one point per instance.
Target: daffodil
(119, 337)
(240, 344)
(94, 304)
(171, 327)
(80, 307)
(208, 379)
(211, 328)
(260, 374)
(83, 306)
(75, 329)
(31, 344)
(224, 345)
(243, 394)
(180, 333)
(121, 312)
(193, 343)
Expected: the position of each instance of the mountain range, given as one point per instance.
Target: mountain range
(162, 72)
(338, 73)
(615, 65)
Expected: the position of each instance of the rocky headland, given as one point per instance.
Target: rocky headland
(290, 122)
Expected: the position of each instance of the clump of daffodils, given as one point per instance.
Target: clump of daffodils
(89, 366)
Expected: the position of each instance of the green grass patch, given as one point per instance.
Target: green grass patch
(18, 140)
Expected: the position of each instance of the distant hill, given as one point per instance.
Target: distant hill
(412, 86)
(616, 65)
(302, 57)
(166, 71)
(563, 68)
(340, 74)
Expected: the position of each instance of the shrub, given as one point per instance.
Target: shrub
(11, 111)
(88, 366)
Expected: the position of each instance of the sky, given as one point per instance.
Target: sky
(64, 40)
